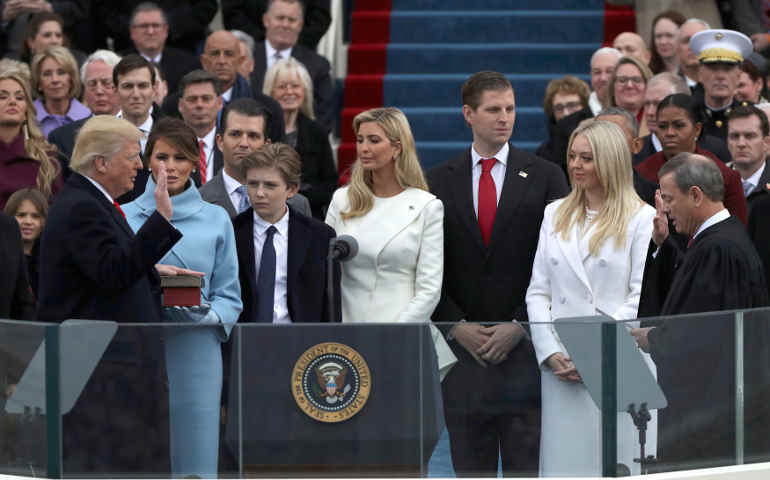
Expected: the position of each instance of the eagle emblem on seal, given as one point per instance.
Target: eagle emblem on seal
(331, 378)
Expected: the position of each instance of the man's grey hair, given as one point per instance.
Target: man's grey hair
(147, 7)
(693, 170)
(247, 39)
(630, 119)
(696, 20)
(604, 50)
(676, 82)
(107, 56)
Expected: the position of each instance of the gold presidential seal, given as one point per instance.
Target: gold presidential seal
(331, 382)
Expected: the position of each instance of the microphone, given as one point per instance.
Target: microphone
(343, 248)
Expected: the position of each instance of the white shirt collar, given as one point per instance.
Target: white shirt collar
(656, 142)
(594, 103)
(227, 95)
(713, 220)
(270, 52)
(100, 188)
(754, 178)
(155, 59)
(282, 225)
(146, 126)
(231, 184)
(208, 139)
(501, 155)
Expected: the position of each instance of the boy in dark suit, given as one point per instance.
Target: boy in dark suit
(281, 253)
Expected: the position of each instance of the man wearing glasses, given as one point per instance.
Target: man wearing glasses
(99, 95)
(149, 31)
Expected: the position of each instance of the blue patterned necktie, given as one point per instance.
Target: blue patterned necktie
(244, 202)
(266, 279)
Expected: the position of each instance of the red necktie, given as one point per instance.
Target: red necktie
(117, 205)
(202, 161)
(689, 242)
(487, 199)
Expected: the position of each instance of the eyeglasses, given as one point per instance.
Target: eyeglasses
(634, 80)
(147, 26)
(561, 107)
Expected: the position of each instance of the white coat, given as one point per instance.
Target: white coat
(569, 282)
(396, 275)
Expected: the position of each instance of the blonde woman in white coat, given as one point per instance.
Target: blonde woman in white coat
(396, 275)
(590, 257)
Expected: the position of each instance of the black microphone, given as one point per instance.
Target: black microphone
(343, 248)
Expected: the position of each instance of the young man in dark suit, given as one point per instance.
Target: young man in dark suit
(494, 196)
(243, 130)
(281, 254)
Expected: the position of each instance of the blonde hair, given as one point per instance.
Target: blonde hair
(291, 65)
(64, 58)
(35, 145)
(101, 136)
(408, 170)
(612, 161)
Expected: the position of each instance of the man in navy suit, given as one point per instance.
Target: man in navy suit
(281, 253)
(93, 267)
(494, 196)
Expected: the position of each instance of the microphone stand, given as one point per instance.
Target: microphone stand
(640, 420)
(330, 283)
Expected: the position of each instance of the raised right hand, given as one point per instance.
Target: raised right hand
(162, 199)
(660, 222)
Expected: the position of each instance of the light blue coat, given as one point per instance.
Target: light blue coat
(194, 355)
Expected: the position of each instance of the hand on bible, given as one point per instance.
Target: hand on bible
(563, 368)
(659, 222)
(173, 270)
(502, 339)
(471, 336)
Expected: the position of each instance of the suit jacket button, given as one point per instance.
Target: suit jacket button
(602, 263)
(554, 261)
(563, 300)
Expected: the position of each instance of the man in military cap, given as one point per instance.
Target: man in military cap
(720, 53)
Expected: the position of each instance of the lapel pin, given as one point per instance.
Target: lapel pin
(523, 174)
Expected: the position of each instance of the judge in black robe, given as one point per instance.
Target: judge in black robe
(695, 355)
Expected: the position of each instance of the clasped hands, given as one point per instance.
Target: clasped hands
(488, 344)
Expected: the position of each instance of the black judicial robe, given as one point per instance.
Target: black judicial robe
(695, 355)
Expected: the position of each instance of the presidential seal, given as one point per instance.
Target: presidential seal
(331, 382)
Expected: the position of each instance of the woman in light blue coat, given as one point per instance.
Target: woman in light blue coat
(193, 355)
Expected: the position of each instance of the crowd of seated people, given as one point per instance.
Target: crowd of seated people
(170, 149)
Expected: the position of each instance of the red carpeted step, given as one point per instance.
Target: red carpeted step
(371, 27)
(617, 19)
(363, 5)
(348, 114)
(363, 91)
(346, 155)
(367, 59)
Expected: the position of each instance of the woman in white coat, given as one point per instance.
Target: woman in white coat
(590, 258)
(396, 275)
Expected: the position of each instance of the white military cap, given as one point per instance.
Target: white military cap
(726, 46)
